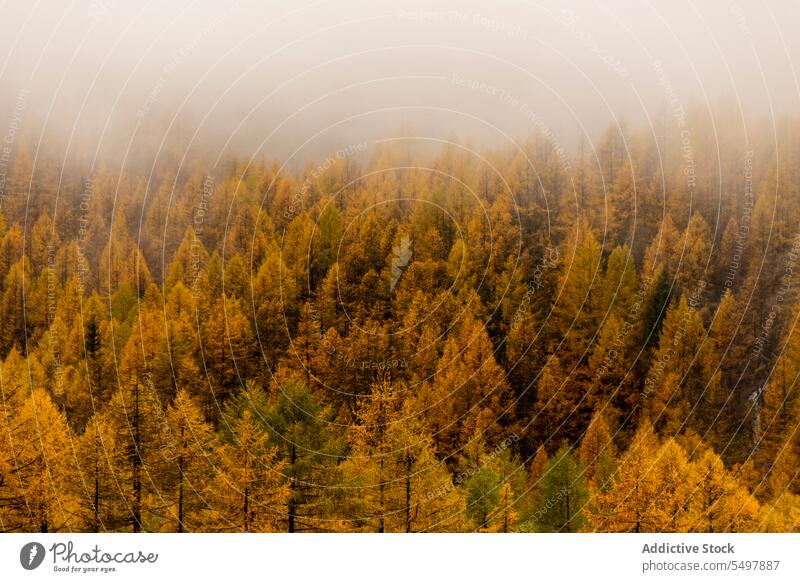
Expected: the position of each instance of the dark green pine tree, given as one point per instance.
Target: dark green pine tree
(561, 494)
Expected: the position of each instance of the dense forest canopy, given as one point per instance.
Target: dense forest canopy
(524, 338)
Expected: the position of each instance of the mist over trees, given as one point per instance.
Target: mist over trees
(518, 338)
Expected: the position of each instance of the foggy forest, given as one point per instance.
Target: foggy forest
(582, 323)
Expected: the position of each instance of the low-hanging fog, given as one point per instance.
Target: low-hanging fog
(93, 81)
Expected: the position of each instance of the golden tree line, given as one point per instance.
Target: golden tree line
(593, 345)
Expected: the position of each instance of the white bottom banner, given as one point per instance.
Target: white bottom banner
(355, 557)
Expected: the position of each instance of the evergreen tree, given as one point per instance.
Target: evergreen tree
(249, 490)
(562, 494)
(303, 431)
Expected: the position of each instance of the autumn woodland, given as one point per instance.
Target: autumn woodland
(523, 338)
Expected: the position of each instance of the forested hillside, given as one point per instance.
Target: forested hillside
(526, 338)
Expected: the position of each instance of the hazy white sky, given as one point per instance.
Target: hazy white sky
(319, 74)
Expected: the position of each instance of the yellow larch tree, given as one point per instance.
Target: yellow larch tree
(36, 491)
(717, 503)
(187, 459)
(398, 483)
(628, 504)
